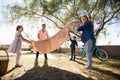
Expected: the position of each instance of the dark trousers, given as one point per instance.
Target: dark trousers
(37, 54)
(72, 53)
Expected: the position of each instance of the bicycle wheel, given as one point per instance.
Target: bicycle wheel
(101, 55)
(81, 54)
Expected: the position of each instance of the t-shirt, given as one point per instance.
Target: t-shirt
(42, 35)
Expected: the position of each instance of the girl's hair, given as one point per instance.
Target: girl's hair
(18, 27)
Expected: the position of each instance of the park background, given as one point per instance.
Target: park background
(110, 35)
(56, 14)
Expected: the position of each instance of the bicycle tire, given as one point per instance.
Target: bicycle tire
(81, 54)
(101, 55)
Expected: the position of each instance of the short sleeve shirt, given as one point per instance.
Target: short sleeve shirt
(42, 35)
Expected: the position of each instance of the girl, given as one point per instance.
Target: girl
(15, 47)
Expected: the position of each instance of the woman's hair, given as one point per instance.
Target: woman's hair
(18, 27)
(86, 17)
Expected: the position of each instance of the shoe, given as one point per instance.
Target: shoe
(88, 67)
(18, 65)
(73, 59)
(46, 58)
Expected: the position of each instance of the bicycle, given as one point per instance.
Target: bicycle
(100, 53)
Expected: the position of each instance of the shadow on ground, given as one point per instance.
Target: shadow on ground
(107, 72)
(47, 72)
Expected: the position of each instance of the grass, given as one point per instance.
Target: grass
(58, 67)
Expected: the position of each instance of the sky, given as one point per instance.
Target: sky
(7, 30)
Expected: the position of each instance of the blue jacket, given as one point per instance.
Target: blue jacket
(87, 32)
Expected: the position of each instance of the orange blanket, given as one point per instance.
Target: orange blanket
(52, 43)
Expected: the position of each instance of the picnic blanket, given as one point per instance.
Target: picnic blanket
(52, 43)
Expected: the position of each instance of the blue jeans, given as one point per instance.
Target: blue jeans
(88, 46)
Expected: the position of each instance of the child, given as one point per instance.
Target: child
(73, 44)
(15, 47)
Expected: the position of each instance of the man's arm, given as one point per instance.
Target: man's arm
(38, 35)
(47, 35)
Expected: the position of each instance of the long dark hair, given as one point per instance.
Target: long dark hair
(86, 17)
(18, 27)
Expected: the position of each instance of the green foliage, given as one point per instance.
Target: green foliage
(50, 7)
(61, 12)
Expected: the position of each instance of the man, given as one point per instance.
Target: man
(87, 38)
(42, 35)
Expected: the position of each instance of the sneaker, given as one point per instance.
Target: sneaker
(88, 67)
(46, 58)
(70, 59)
(73, 59)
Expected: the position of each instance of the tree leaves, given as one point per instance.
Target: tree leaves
(61, 12)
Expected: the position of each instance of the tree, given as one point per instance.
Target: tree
(61, 12)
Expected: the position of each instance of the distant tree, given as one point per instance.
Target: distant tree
(61, 12)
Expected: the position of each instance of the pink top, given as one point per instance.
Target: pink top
(42, 35)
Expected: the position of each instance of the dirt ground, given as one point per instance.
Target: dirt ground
(59, 67)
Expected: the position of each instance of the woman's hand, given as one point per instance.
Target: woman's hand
(75, 24)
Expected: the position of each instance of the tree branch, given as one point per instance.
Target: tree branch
(78, 35)
(113, 15)
(94, 7)
(73, 14)
(58, 19)
(45, 17)
(101, 26)
(53, 22)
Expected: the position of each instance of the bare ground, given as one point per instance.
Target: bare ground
(58, 67)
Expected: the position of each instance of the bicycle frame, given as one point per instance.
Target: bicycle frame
(92, 50)
(100, 54)
(95, 48)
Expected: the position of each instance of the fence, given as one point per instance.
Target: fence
(113, 51)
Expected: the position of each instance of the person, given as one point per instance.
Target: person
(73, 45)
(15, 47)
(87, 38)
(42, 35)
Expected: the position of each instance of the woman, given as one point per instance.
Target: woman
(87, 38)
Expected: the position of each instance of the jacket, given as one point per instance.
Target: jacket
(87, 32)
